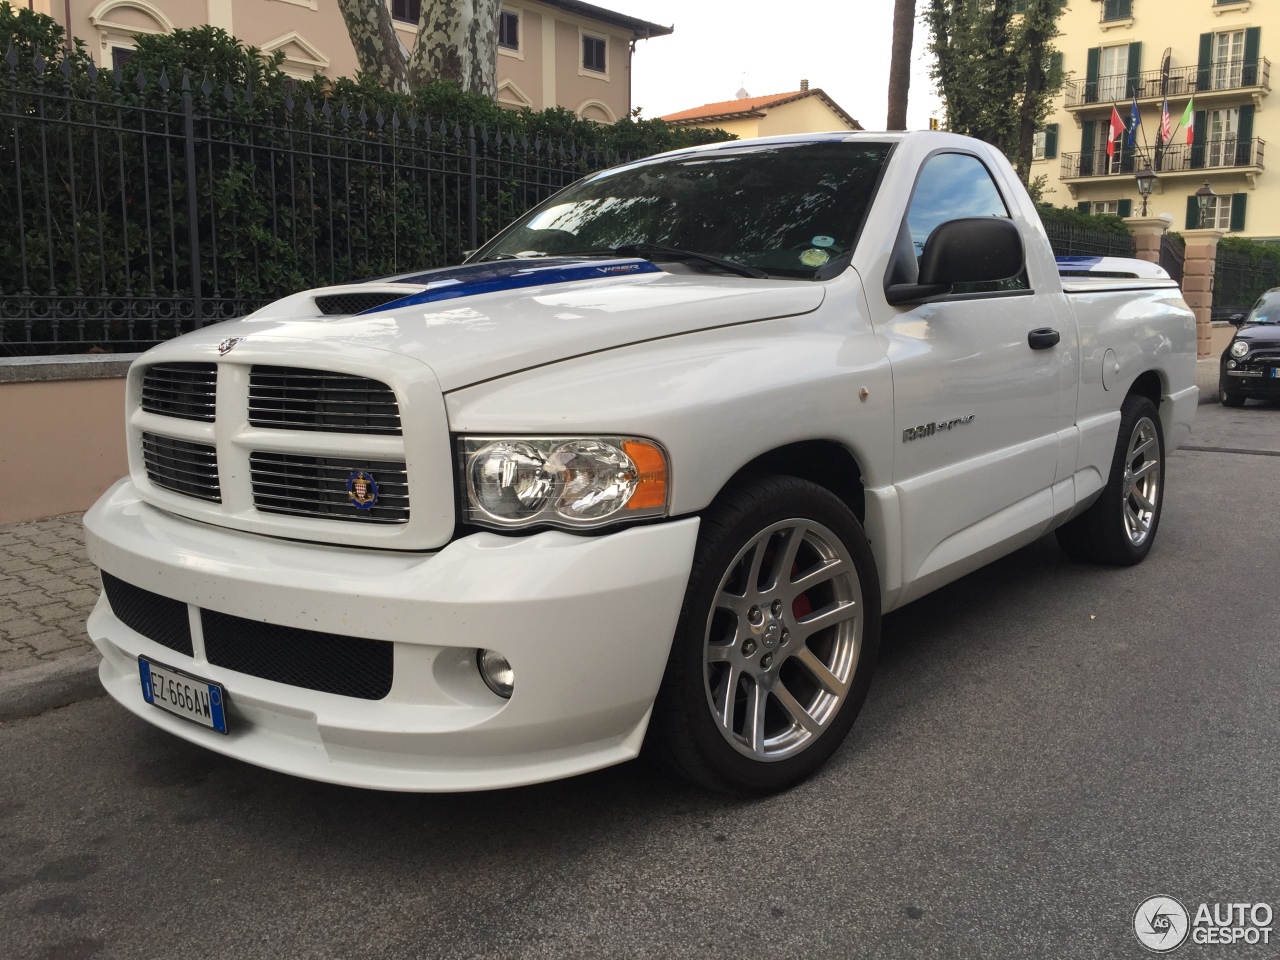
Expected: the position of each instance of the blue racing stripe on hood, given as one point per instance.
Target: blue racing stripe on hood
(512, 275)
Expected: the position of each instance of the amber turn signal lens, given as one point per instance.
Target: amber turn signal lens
(651, 467)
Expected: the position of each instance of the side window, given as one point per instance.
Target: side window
(951, 186)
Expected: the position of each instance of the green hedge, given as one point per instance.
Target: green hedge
(1245, 269)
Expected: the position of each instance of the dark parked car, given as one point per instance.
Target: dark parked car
(1251, 363)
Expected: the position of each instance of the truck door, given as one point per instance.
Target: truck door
(978, 405)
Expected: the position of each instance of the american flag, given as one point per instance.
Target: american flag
(1166, 123)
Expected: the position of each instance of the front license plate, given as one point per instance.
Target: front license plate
(1275, 373)
(180, 693)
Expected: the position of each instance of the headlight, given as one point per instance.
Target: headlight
(1239, 349)
(562, 481)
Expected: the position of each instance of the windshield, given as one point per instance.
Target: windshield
(1267, 309)
(786, 209)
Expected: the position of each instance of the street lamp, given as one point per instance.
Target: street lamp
(1146, 178)
(1202, 196)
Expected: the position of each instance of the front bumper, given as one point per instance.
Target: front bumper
(1259, 385)
(586, 623)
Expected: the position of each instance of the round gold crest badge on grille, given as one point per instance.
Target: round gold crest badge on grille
(362, 489)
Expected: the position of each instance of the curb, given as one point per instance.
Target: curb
(33, 690)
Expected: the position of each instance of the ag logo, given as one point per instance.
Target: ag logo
(1161, 924)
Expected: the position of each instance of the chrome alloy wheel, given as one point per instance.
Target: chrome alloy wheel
(1141, 482)
(783, 639)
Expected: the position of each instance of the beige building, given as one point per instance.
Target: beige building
(801, 111)
(1207, 51)
(550, 52)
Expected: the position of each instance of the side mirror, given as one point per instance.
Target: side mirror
(968, 250)
(1237, 319)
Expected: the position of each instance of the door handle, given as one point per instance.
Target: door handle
(1043, 338)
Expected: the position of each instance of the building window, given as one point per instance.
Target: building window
(509, 30)
(1113, 73)
(1220, 150)
(593, 54)
(1105, 208)
(1228, 60)
(409, 11)
(121, 56)
(1045, 144)
(1217, 214)
(1116, 10)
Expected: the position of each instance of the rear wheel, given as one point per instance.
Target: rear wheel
(1121, 526)
(776, 642)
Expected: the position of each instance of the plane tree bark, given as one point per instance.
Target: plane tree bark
(457, 41)
(904, 21)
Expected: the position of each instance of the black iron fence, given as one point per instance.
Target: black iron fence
(1072, 240)
(136, 209)
(1239, 278)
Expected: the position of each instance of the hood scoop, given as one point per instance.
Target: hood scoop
(345, 304)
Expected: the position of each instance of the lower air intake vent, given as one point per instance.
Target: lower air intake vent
(155, 617)
(370, 491)
(347, 666)
(182, 466)
(340, 304)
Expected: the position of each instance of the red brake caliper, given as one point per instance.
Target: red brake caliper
(800, 607)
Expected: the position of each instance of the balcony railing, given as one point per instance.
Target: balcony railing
(1175, 82)
(1172, 158)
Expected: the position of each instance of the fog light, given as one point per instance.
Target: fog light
(497, 673)
(1231, 364)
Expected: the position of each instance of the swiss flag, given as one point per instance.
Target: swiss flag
(1117, 131)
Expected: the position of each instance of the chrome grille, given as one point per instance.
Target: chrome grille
(183, 390)
(182, 466)
(317, 487)
(288, 398)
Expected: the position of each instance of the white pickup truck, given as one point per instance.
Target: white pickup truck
(644, 473)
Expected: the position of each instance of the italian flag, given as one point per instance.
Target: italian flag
(1189, 120)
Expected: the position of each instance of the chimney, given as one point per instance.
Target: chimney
(804, 86)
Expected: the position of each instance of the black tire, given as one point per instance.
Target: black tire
(1101, 533)
(685, 733)
(1230, 399)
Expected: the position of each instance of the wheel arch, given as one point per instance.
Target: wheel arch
(1149, 385)
(827, 463)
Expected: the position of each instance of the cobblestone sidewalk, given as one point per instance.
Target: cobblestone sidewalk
(47, 588)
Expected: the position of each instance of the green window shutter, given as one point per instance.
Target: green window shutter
(1126, 208)
(1093, 65)
(1252, 47)
(1019, 6)
(1135, 68)
(1051, 141)
(1056, 73)
(1206, 61)
(1126, 8)
(1084, 206)
(1238, 203)
(1199, 136)
(1244, 136)
(1086, 148)
(1193, 212)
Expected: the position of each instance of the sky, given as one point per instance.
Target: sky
(841, 46)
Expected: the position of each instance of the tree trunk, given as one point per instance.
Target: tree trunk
(457, 41)
(379, 52)
(904, 21)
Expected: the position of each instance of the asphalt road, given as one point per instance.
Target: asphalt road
(1045, 746)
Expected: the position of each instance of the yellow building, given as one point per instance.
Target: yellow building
(550, 52)
(1205, 53)
(801, 111)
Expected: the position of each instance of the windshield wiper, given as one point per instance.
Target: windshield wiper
(650, 250)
